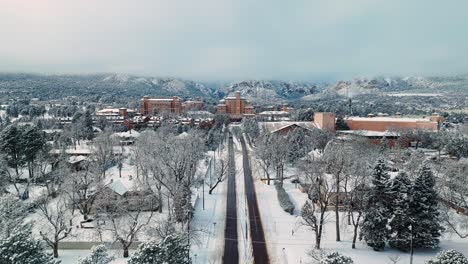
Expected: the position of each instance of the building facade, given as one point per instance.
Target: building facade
(382, 124)
(235, 106)
(153, 106)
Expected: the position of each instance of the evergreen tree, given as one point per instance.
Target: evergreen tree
(87, 122)
(424, 211)
(99, 255)
(374, 227)
(12, 213)
(172, 249)
(33, 141)
(449, 257)
(11, 146)
(20, 248)
(341, 124)
(336, 258)
(401, 221)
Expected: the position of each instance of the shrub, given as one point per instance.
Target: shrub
(449, 256)
(283, 199)
(336, 258)
(98, 255)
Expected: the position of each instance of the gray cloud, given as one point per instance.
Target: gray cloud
(214, 39)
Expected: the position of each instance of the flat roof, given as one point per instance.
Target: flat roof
(389, 119)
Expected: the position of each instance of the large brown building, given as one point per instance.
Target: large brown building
(235, 106)
(382, 124)
(150, 106)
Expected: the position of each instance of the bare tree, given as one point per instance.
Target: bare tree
(83, 187)
(126, 216)
(263, 152)
(314, 211)
(336, 159)
(56, 215)
(453, 191)
(103, 152)
(220, 171)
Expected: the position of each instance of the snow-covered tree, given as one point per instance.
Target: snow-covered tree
(449, 257)
(172, 249)
(336, 258)
(103, 152)
(374, 227)
(314, 211)
(12, 214)
(400, 237)
(20, 248)
(126, 216)
(99, 255)
(424, 211)
(56, 218)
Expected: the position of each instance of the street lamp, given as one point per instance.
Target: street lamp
(411, 243)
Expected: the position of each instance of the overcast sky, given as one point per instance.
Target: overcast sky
(239, 39)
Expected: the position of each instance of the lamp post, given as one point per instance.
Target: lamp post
(411, 243)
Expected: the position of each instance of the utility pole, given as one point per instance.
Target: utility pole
(203, 193)
(411, 243)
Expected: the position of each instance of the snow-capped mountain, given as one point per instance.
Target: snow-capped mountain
(382, 84)
(257, 90)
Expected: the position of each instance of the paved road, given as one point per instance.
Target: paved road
(260, 253)
(231, 253)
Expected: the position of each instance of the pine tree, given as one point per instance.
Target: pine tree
(20, 248)
(374, 228)
(172, 249)
(87, 124)
(336, 258)
(449, 257)
(401, 221)
(426, 220)
(98, 255)
(12, 214)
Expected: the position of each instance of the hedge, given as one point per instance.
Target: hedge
(283, 199)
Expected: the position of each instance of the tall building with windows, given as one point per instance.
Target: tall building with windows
(151, 106)
(235, 106)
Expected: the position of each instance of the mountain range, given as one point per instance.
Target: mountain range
(259, 91)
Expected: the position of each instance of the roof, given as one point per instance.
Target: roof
(159, 99)
(120, 186)
(76, 159)
(199, 113)
(368, 133)
(272, 127)
(128, 134)
(388, 119)
(274, 113)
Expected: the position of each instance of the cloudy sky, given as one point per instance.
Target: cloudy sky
(238, 39)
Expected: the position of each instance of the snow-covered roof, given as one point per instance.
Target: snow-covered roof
(199, 113)
(76, 159)
(183, 135)
(128, 134)
(272, 127)
(121, 186)
(50, 131)
(388, 119)
(274, 113)
(158, 99)
(368, 133)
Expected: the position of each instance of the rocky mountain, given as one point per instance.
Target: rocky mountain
(385, 84)
(264, 91)
(120, 87)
